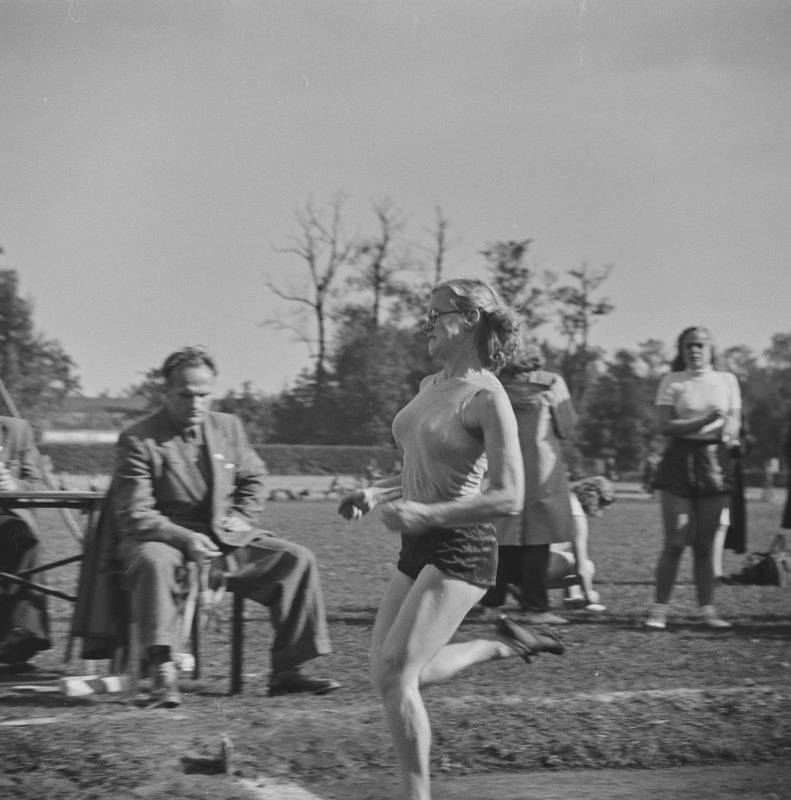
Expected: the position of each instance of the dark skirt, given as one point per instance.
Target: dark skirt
(695, 468)
(468, 553)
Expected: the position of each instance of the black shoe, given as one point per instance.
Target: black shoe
(527, 640)
(20, 645)
(165, 693)
(294, 681)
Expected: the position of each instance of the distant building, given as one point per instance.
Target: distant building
(91, 420)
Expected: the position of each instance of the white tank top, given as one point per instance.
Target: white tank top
(442, 458)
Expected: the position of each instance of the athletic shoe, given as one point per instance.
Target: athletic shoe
(657, 617)
(293, 681)
(527, 641)
(708, 615)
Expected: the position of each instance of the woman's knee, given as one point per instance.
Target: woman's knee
(674, 547)
(388, 675)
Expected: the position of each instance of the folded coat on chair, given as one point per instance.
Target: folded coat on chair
(100, 613)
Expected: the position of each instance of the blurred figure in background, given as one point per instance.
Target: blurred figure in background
(700, 414)
(571, 560)
(545, 417)
(24, 624)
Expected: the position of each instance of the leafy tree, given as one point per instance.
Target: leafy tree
(618, 416)
(578, 311)
(377, 373)
(653, 357)
(519, 284)
(152, 387)
(296, 418)
(254, 408)
(36, 371)
(766, 396)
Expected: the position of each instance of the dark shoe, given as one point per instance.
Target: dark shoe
(294, 681)
(20, 645)
(166, 689)
(528, 641)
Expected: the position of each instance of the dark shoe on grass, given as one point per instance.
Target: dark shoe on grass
(527, 640)
(293, 682)
(20, 645)
(166, 689)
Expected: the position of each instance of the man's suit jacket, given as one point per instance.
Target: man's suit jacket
(158, 494)
(19, 445)
(154, 491)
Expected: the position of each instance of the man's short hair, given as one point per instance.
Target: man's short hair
(191, 356)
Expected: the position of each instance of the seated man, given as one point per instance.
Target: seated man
(24, 625)
(188, 486)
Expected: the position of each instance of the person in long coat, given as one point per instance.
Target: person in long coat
(24, 623)
(545, 417)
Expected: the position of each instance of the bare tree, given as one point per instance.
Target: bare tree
(440, 245)
(324, 248)
(577, 309)
(378, 262)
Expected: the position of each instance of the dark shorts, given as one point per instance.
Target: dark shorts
(691, 468)
(469, 553)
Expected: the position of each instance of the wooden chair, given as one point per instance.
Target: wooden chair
(194, 612)
(189, 632)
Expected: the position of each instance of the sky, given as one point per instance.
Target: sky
(153, 155)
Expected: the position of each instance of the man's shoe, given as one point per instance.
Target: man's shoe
(166, 689)
(708, 615)
(657, 617)
(20, 645)
(544, 618)
(293, 681)
(527, 641)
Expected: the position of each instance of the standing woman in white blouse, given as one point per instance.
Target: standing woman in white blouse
(699, 411)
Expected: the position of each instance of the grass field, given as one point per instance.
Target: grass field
(620, 697)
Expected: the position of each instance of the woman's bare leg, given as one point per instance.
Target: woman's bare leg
(708, 517)
(409, 649)
(676, 518)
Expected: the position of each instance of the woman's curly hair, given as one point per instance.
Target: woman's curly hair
(594, 494)
(501, 325)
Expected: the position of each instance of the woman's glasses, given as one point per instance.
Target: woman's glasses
(434, 315)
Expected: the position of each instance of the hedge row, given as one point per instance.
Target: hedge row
(281, 459)
(297, 459)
